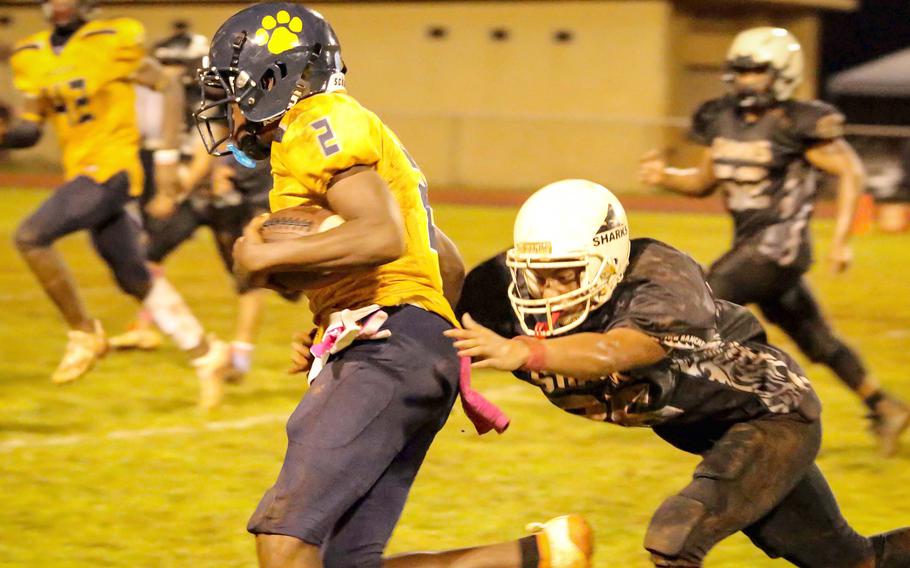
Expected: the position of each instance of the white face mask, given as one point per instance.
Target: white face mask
(546, 317)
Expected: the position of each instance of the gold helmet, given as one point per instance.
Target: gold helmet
(774, 49)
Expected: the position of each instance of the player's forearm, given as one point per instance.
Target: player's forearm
(357, 243)
(849, 188)
(689, 181)
(174, 103)
(594, 356)
(23, 134)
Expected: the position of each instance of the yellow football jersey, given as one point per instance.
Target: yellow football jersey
(328, 133)
(85, 90)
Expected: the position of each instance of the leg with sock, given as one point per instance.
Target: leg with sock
(249, 312)
(799, 315)
(79, 204)
(211, 355)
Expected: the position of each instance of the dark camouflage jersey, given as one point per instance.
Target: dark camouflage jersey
(768, 185)
(719, 367)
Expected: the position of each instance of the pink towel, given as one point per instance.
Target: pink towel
(481, 412)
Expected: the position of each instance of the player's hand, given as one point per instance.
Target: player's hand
(651, 168)
(840, 258)
(486, 348)
(167, 181)
(301, 357)
(161, 206)
(247, 254)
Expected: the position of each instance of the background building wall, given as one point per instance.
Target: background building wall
(512, 94)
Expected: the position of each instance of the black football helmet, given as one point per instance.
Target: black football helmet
(264, 59)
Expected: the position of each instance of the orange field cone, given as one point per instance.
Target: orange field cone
(865, 213)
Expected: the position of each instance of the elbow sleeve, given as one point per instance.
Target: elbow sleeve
(24, 134)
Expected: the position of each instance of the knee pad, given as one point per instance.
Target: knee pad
(669, 531)
(134, 279)
(26, 238)
(892, 549)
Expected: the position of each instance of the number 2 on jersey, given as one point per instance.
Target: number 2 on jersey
(326, 136)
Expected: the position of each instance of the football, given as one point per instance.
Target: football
(298, 222)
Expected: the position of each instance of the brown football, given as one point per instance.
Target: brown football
(297, 222)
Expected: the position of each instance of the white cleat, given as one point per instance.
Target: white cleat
(564, 542)
(82, 351)
(137, 337)
(212, 369)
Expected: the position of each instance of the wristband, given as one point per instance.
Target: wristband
(166, 157)
(537, 355)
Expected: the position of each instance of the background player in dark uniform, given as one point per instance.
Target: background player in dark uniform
(630, 333)
(218, 193)
(80, 76)
(761, 147)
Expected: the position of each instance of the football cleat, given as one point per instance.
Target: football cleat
(138, 336)
(82, 351)
(564, 542)
(890, 419)
(212, 369)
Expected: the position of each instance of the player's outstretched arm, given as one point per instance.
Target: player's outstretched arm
(698, 181)
(372, 234)
(154, 76)
(27, 131)
(451, 266)
(838, 158)
(584, 356)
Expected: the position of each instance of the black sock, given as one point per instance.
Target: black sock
(873, 399)
(530, 556)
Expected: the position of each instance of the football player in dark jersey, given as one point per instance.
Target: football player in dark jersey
(80, 75)
(628, 332)
(762, 149)
(219, 194)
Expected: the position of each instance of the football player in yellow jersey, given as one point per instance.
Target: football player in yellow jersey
(275, 76)
(79, 76)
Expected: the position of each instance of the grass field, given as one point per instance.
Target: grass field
(120, 470)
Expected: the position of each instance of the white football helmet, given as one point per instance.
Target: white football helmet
(773, 47)
(572, 223)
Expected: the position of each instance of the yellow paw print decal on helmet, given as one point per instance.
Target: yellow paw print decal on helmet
(279, 33)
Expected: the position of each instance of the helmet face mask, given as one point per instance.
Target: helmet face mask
(572, 224)
(563, 312)
(774, 50)
(263, 78)
(751, 85)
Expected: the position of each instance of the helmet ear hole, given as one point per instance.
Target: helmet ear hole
(272, 76)
(316, 52)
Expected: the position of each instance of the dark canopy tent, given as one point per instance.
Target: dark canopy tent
(877, 92)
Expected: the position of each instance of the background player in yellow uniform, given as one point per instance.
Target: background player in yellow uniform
(361, 432)
(80, 76)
